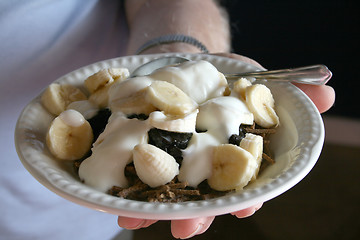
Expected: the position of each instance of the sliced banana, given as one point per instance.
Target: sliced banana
(112, 151)
(85, 107)
(154, 166)
(104, 77)
(134, 104)
(232, 168)
(169, 98)
(129, 87)
(101, 97)
(70, 136)
(159, 119)
(253, 144)
(240, 86)
(57, 97)
(99, 84)
(261, 103)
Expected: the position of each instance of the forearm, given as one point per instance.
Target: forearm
(201, 19)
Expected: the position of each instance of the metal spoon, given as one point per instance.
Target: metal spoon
(314, 74)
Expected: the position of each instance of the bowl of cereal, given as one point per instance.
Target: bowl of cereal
(178, 143)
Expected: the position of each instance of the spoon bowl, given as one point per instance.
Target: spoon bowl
(151, 66)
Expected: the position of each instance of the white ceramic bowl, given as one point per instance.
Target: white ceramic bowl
(297, 146)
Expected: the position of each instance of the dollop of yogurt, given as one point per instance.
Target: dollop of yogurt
(72, 118)
(199, 79)
(112, 151)
(222, 117)
(197, 159)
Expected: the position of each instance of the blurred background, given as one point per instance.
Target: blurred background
(282, 34)
(285, 34)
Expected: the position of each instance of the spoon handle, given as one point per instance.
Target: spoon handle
(314, 74)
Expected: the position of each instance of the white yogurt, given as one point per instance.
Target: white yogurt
(72, 118)
(124, 89)
(199, 79)
(112, 152)
(85, 107)
(220, 116)
(197, 159)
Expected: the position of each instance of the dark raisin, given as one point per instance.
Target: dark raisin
(235, 139)
(242, 131)
(171, 142)
(198, 130)
(140, 116)
(175, 152)
(99, 121)
(157, 138)
(181, 140)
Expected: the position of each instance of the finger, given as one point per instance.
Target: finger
(247, 212)
(134, 223)
(322, 96)
(190, 227)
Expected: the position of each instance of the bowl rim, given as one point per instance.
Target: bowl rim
(83, 195)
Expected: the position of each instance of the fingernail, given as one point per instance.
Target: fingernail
(258, 206)
(196, 231)
(139, 225)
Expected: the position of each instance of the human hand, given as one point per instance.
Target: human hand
(186, 228)
(322, 96)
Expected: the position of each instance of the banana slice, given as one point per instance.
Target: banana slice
(101, 97)
(169, 98)
(253, 144)
(261, 103)
(57, 97)
(135, 104)
(154, 166)
(85, 107)
(104, 77)
(99, 84)
(232, 168)
(172, 123)
(240, 87)
(70, 136)
(129, 87)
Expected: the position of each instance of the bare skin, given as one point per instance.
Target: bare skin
(148, 19)
(203, 20)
